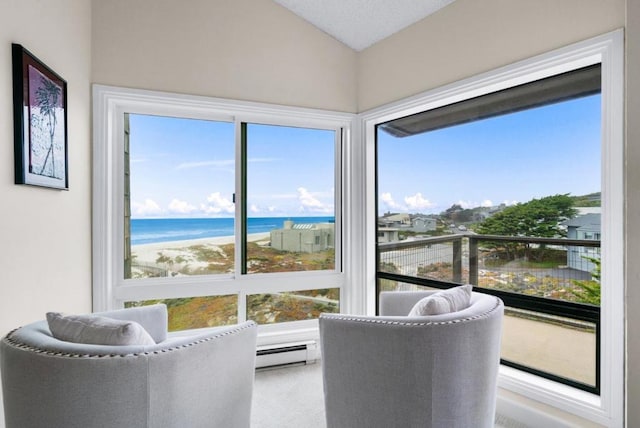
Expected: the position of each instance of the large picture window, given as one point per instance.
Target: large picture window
(522, 164)
(511, 181)
(220, 216)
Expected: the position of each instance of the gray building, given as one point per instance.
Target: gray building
(585, 226)
(303, 237)
(395, 220)
(403, 221)
(421, 223)
(387, 234)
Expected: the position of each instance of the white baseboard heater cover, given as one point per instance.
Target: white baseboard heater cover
(287, 353)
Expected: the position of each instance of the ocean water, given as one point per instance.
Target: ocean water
(151, 230)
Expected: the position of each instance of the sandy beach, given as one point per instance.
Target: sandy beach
(149, 253)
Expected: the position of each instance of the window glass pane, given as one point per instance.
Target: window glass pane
(391, 285)
(290, 199)
(489, 191)
(561, 346)
(197, 312)
(179, 185)
(553, 271)
(437, 258)
(272, 308)
(533, 173)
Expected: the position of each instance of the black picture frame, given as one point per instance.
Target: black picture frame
(39, 122)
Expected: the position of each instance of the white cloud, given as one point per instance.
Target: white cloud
(418, 202)
(309, 202)
(254, 208)
(486, 203)
(510, 202)
(181, 207)
(148, 208)
(388, 201)
(217, 204)
(307, 199)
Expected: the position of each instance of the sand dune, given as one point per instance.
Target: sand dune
(150, 252)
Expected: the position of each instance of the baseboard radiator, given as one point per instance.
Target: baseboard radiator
(286, 354)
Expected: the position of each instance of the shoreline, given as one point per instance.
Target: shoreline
(149, 252)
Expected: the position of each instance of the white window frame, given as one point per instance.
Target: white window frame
(111, 290)
(607, 408)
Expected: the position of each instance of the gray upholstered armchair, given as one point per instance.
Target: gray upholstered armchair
(203, 380)
(399, 371)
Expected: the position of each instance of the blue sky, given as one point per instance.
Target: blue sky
(185, 168)
(512, 158)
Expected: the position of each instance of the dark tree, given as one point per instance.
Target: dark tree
(538, 217)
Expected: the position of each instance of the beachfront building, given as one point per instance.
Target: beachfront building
(303, 237)
(388, 234)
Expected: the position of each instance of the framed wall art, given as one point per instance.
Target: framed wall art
(39, 123)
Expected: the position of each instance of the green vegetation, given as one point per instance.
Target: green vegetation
(533, 258)
(387, 284)
(264, 259)
(590, 200)
(456, 214)
(294, 306)
(208, 260)
(209, 311)
(197, 312)
(538, 217)
(441, 271)
(589, 291)
(533, 268)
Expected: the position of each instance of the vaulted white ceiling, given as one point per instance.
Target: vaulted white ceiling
(361, 23)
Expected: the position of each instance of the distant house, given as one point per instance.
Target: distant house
(388, 234)
(403, 221)
(395, 220)
(422, 223)
(585, 226)
(303, 237)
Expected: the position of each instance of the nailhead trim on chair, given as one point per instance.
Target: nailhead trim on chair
(15, 343)
(375, 320)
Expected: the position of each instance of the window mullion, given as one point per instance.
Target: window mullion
(240, 214)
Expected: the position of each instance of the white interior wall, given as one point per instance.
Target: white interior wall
(632, 213)
(470, 37)
(252, 50)
(45, 235)
(45, 256)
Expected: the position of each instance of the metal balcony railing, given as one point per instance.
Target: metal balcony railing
(551, 329)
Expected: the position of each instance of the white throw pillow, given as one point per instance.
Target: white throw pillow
(450, 300)
(97, 330)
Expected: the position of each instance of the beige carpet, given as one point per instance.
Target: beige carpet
(292, 397)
